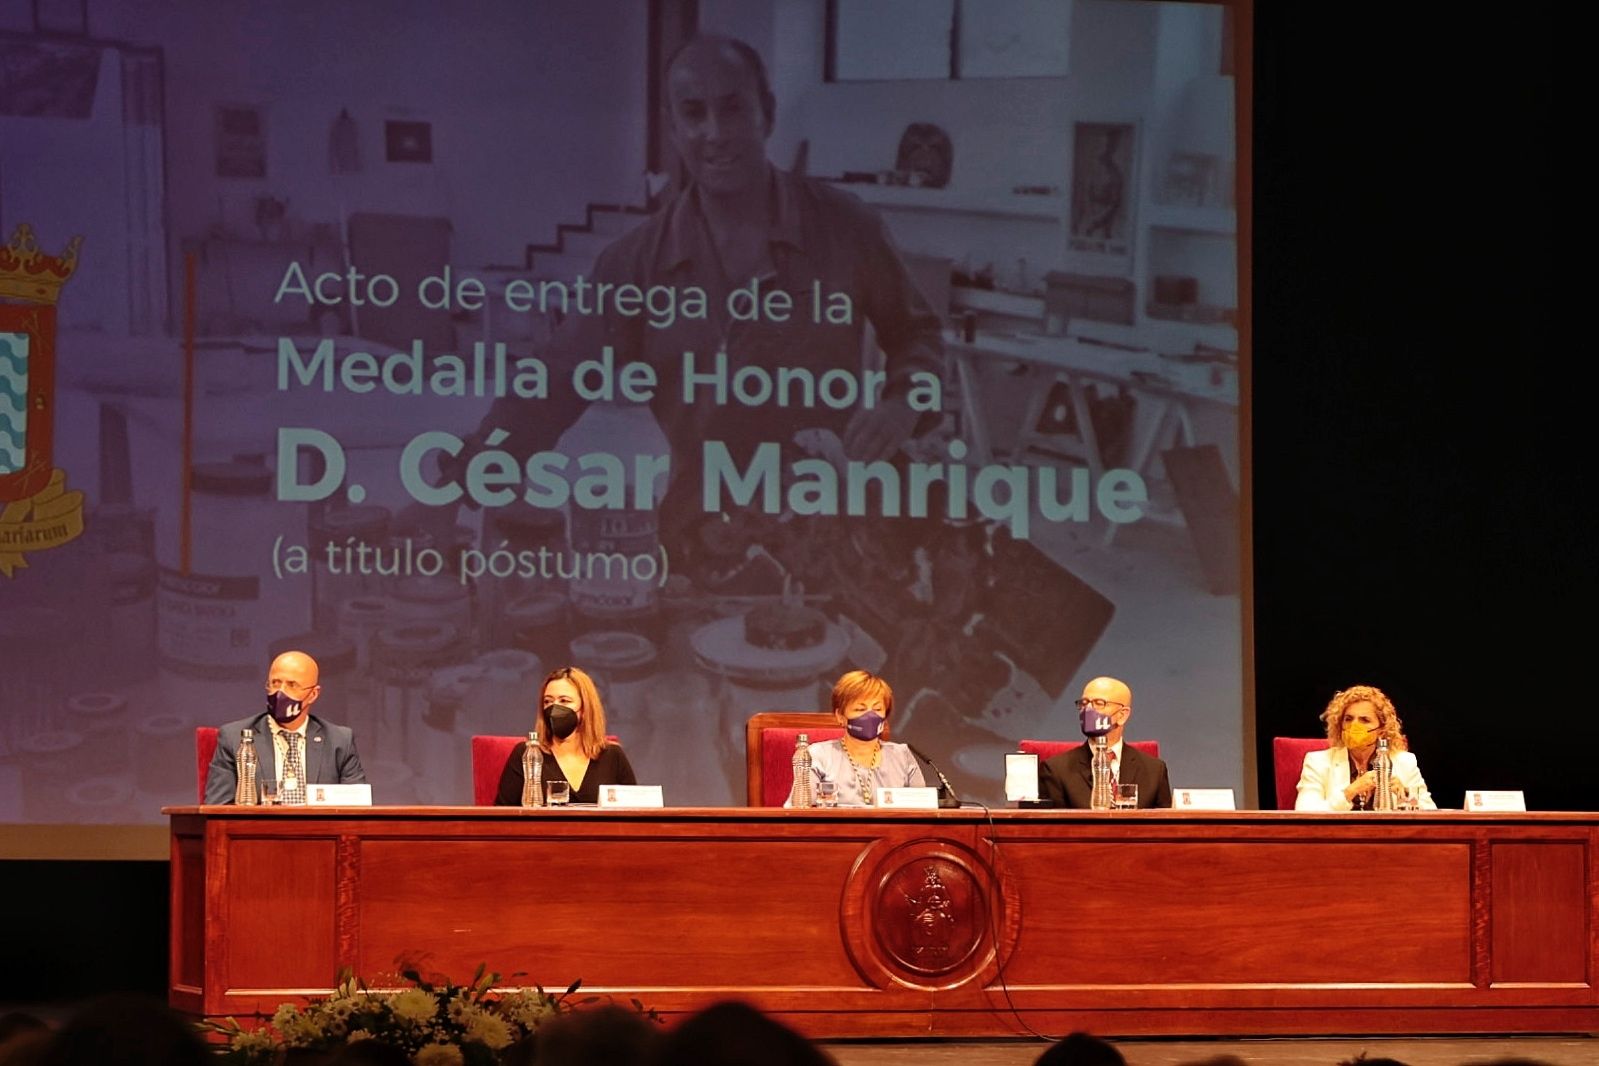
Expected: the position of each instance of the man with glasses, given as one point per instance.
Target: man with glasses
(294, 748)
(1067, 780)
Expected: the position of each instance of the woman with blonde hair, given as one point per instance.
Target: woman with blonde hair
(862, 760)
(571, 733)
(1342, 778)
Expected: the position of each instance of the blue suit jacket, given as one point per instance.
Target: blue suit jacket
(330, 756)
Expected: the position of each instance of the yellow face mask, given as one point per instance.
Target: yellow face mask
(1358, 735)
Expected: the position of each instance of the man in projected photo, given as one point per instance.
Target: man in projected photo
(817, 266)
(294, 748)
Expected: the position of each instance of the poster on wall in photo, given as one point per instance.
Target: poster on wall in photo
(241, 142)
(1103, 162)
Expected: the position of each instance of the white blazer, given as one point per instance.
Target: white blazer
(1326, 775)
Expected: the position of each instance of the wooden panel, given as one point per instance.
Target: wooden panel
(1173, 912)
(753, 912)
(187, 962)
(870, 923)
(280, 910)
(1540, 913)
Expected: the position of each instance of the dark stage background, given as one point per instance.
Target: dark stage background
(1419, 446)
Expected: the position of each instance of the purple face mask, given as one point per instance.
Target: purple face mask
(866, 727)
(282, 707)
(1096, 723)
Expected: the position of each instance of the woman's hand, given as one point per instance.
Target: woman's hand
(1364, 785)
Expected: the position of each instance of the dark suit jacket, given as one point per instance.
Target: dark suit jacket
(330, 756)
(1067, 779)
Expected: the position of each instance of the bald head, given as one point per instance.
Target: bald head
(1118, 699)
(296, 674)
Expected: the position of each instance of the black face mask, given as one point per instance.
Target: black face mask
(563, 722)
(282, 707)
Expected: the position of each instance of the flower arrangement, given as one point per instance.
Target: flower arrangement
(435, 1022)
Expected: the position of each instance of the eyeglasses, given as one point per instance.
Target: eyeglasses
(293, 688)
(1098, 704)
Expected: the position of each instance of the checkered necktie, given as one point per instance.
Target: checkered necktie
(293, 771)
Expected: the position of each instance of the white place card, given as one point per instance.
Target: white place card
(631, 796)
(1021, 776)
(907, 799)
(1489, 800)
(338, 795)
(1203, 799)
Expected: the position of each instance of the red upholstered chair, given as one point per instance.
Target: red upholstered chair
(488, 763)
(205, 746)
(1287, 761)
(769, 751)
(1048, 749)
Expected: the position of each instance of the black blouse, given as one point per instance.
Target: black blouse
(609, 767)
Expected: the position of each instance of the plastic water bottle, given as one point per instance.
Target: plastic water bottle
(1103, 797)
(803, 793)
(1383, 763)
(244, 765)
(532, 773)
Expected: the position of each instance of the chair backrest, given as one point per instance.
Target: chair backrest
(1287, 761)
(1048, 749)
(769, 751)
(488, 763)
(205, 746)
(489, 755)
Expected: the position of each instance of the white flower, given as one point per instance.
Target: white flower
(487, 1029)
(301, 1030)
(460, 1007)
(414, 1005)
(528, 1009)
(357, 1035)
(254, 1041)
(285, 1015)
(438, 1055)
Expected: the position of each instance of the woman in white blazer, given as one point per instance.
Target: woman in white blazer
(1342, 777)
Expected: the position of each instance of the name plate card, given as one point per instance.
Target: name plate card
(1204, 799)
(907, 799)
(631, 796)
(1490, 800)
(338, 795)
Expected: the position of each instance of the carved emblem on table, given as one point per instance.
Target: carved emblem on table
(929, 914)
(932, 923)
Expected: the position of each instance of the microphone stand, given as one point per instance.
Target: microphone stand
(947, 799)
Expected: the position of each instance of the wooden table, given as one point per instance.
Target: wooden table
(849, 923)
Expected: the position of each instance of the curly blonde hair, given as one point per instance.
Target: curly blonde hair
(1387, 717)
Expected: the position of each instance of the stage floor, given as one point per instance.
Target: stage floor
(1413, 1051)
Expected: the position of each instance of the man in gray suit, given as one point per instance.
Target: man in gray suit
(294, 747)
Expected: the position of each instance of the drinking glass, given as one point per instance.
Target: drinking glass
(1126, 797)
(269, 793)
(827, 793)
(557, 793)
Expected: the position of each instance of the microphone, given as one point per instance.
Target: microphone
(947, 798)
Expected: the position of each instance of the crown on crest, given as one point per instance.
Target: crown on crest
(28, 274)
